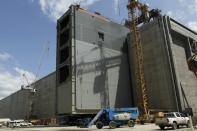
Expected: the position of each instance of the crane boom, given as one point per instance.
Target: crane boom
(45, 53)
(25, 77)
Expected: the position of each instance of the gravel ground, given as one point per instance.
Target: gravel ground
(148, 127)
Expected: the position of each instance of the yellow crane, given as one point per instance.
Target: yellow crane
(139, 13)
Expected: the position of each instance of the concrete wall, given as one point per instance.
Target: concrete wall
(186, 80)
(17, 105)
(64, 97)
(100, 73)
(169, 81)
(44, 105)
(25, 103)
(159, 83)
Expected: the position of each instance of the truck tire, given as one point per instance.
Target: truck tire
(99, 125)
(188, 124)
(131, 123)
(112, 125)
(162, 127)
(174, 126)
(142, 122)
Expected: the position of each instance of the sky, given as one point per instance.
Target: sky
(28, 33)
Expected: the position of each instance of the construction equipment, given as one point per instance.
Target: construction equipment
(45, 53)
(138, 14)
(25, 77)
(192, 62)
(114, 117)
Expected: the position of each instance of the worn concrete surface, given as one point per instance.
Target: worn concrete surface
(17, 105)
(44, 98)
(148, 127)
(98, 64)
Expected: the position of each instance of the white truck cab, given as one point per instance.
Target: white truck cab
(172, 119)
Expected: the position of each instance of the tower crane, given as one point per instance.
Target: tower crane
(139, 13)
(45, 53)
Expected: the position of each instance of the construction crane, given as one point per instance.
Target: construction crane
(25, 77)
(27, 81)
(139, 13)
(44, 54)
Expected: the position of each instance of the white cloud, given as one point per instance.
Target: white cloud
(177, 14)
(193, 6)
(55, 8)
(184, 11)
(11, 81)
(192, 25)
(190, 6)
(169, 13)
(4, 56)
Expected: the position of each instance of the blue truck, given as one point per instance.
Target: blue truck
(112, 117)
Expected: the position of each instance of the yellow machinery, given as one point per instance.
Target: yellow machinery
(139, 13)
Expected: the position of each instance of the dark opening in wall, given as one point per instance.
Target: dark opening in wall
(64, 54)
(64, 22)
(101, 36)
(64, 37)
(63, 73)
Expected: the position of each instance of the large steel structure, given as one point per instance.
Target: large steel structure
(92, 65)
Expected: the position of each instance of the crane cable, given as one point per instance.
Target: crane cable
(45, 52)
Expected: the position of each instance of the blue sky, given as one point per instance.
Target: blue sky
(26, 26)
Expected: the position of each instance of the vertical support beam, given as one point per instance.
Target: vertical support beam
(73, 58)
(175, 73)
(166, 38)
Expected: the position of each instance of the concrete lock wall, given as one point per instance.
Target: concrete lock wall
(17, 105)
(158, 79)
(181, 39)
(165, 48)
(99, 73)
(44, 105)
(31, 103)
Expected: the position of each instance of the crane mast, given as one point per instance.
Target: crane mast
(135, 7)
(139, 13)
